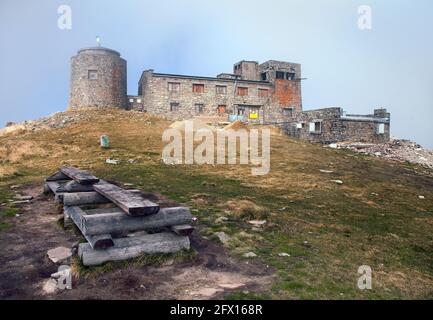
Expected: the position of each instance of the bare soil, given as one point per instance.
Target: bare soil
(25, 267)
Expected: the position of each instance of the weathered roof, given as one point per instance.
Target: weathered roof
(99, 49)
(179, 76)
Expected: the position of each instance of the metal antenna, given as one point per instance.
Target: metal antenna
(98, 41)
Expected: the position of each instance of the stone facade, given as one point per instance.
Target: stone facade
(333, 125)
(98, 79)
(241, 94)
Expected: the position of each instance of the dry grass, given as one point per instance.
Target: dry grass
(245, 209)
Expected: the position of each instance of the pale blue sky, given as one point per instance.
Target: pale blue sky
(390, 65)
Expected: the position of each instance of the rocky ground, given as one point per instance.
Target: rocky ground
(59, 120)
(396, 149)
(29, 260)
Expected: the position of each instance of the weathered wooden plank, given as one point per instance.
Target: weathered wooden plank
(101, 241)
(182, 229)
(78, 175)
(131, 202)
(74, 186)
(82, 198)
(58, 197)
(53, 186)
(115, 220)
(57, 176)
(131, 247)
(47, 189)
(67, 222)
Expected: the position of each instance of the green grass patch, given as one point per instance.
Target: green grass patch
(9, 212)
(144, 260)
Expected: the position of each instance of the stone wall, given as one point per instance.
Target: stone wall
(247, 70)
(332, 125)
(135, 103)
(98, 79)
(154, 88)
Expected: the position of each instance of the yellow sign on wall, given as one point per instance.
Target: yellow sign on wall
(254, 115)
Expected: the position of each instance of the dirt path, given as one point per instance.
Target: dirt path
(24, 265)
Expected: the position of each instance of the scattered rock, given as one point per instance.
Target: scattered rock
(326, 171)
(128, 184)
(257, 223)
(112, 161)
(282, 209)
(206, 292)
(231, 285)
(284, 254)
(132, 161)
(249, 255)
(337, 181)
(50, 286)
(421, 197)
(22, 198)
(15, 186)
(221, 219)
(223, 237)
(20, 201)
(333, 146)
(60, 255)
(395, 149)
(63, 272)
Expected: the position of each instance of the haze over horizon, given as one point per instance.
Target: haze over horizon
(359, 70)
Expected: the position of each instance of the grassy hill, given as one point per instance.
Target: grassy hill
(374, 218)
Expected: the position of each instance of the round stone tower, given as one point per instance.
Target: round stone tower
(98, 79)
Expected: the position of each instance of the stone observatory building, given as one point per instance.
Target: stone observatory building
(255, 93)
(98, 79)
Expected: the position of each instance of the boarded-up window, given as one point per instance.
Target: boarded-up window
(198, 88)
(242, 91)
(221, 89)
(174, 106)
(92, 74)
(380, 128)
(263, 92)
(174, 86)
(263, 76)
(199, 108)
(222, 108)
